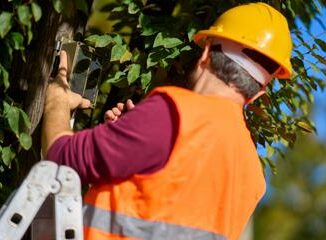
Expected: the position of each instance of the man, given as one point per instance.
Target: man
(181, 164)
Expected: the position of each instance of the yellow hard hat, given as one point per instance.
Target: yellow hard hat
(257, 26)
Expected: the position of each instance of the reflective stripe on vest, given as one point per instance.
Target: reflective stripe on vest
(119, 224)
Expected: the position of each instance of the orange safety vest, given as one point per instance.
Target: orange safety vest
(208, 189)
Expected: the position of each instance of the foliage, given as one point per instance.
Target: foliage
(296, 210)
(19, 21)
(16, 33)
(146, 43)
(164, 55)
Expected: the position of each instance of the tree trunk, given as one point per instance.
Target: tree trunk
(33, 76)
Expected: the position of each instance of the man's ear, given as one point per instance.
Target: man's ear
(260, 93)
(205, 58)
(201, 64)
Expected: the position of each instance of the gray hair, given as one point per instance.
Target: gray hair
(230, 72)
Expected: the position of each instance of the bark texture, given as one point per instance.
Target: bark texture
(32, 77)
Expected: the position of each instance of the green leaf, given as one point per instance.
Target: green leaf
(290, 9)
(17, 40)
(185, 48)
(270, 151)
(6, 54)
(151, 61)
(259, 112)
(105, 87)
(133, 8)
(82, 6)
(2, 136)
(25, 140)
(57, 5)
(7, 155)
(29, 34)
(191, 32)
(12, 116)
(37, 11)
(147, 28)
(133, 73)
(272, 165)
(116, 77)
(319, 58)
(156, 56)
(321, 43)
(120, 52)
(172, 54)
(299, 65)
(289, 138)
(118, 9)
(4, 77)
(314, 67)
(5, 23)
(25, 118)
(118, 40)
(24, 15)
(136, 55)
(117, 52)
(305, 127)
(99, 40)
(167, 42)
(122, 83)
(145, 79)
(126, 57)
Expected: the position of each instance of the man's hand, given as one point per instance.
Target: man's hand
(58, 90)
(113, 114)
(59, 101)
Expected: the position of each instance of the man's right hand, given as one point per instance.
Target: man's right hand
(113, 114)
(58, 92)
(59, 101)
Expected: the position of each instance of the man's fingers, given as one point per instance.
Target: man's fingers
(116, 111)
(63, 67)
(85, 103)
(76, 100)
(63, 60)
(130, 105)
(110, 116)
(120, 106)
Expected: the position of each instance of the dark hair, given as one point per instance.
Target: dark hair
(230, 72)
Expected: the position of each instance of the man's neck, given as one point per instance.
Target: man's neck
(206, 83)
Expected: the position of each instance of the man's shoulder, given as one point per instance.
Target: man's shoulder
(171, 90)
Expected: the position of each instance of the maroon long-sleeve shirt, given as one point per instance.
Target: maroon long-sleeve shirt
(138, 143)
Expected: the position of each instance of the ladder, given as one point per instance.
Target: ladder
(46, 184)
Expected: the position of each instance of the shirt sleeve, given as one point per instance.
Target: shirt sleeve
(139, 142)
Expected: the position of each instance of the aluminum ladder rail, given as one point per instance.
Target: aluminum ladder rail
(45, 179)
